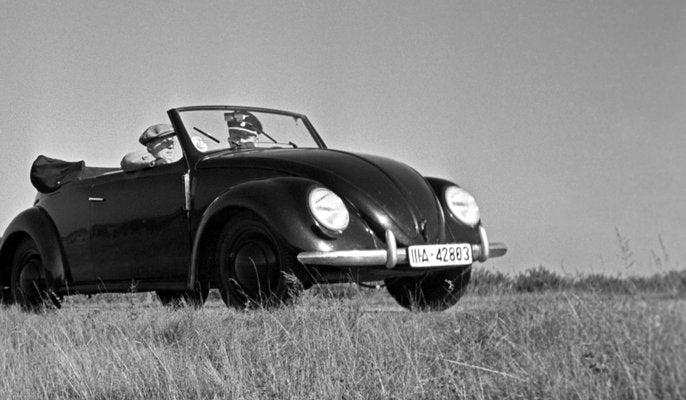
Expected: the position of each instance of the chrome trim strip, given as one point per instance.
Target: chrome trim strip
(187, 190)
(485, 248)
(350, 258)
(391, 250)
(497, 249)
(476, 252)
(96, 199)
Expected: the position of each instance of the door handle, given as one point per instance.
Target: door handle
(96, 199)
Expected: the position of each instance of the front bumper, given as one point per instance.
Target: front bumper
(392, 255)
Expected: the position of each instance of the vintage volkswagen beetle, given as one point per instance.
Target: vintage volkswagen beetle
(259, 223)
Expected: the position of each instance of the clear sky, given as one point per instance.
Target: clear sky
(566, 120)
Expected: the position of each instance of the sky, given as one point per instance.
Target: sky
(566, 120)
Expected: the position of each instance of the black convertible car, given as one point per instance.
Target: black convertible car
(260, 222)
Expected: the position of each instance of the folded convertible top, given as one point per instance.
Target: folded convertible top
(48, 174)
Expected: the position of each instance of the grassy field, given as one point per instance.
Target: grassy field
(506, 342)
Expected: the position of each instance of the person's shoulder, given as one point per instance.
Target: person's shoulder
(137, 160)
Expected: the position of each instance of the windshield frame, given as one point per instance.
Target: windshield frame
(193, 154)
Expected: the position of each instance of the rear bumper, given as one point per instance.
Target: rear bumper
(392, 255)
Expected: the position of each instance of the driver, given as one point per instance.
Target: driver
(243, 129)
(159, 141)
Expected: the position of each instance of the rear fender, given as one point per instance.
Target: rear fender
(33, 223)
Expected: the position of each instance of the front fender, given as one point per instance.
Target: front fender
(282, 204)
(458, 230)
(37, 225)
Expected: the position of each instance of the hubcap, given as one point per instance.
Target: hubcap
(30, 282)
(255, 265)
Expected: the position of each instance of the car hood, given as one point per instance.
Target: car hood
(386, 193)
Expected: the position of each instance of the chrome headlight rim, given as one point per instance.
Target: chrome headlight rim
(462, 205)
(328, 210)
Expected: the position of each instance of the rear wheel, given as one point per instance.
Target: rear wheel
(434, 291)
(255, 265)
(28, 284)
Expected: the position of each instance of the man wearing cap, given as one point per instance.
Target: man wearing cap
(243, 129)
(159, 140)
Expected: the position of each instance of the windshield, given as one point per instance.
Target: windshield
(224, 128)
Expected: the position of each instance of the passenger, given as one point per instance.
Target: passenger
(159, 140)
(243, 129)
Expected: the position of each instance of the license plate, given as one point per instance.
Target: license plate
(437, 255)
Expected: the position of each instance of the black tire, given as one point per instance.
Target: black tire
(28, 284)
(255, 266)
(180, 298)
(434, 291)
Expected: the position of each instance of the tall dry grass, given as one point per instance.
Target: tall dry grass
(490, 282)
(556, 344)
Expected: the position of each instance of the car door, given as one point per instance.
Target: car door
(139, 228)
(69, 210)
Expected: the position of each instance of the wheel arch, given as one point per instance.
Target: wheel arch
(35, 224)
(280, 202)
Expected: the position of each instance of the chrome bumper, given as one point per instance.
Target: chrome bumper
(392, 255)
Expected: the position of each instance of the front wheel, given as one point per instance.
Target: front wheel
(255, 266)
(434, 291)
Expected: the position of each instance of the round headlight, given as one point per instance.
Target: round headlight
(328, 209)
(462, 205)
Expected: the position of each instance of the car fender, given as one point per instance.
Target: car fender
(36, 224)
(457, 230)
(280, 202)
(439, 185)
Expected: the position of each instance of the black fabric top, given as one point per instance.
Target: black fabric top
(48, 174)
